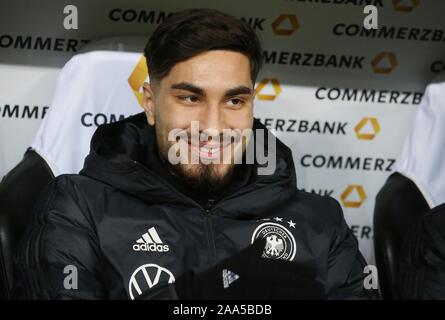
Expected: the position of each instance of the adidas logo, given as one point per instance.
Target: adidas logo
(228, 278)
(150, 242)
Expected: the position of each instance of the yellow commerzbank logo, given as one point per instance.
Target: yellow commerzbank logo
(262, 85)
(362, 123)
(277, 25)
(137, 78)
(405, 5)
(346, 196)
(379, 60)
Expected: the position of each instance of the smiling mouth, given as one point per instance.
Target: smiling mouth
(208, 150)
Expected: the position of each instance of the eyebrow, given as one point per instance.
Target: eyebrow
(188, 87)
(199, 91)
(238, 91)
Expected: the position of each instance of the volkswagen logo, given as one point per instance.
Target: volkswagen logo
(146, 277)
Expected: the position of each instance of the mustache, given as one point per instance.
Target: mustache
(205, 139)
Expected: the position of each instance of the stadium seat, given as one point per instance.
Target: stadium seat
(100, 85)
(416, 186)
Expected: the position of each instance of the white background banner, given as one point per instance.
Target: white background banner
(342, 97)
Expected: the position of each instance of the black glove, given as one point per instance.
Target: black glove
(249, 276)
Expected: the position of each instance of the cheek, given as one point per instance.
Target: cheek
(168, 118)
(176, 116)
(239, 119)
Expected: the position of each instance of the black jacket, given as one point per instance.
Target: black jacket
(127, 230)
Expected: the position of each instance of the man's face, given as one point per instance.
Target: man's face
(215, 89)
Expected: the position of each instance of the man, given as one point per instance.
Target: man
(142, 220)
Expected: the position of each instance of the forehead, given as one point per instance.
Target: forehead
(216, 69)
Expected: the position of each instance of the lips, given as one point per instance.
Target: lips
(208, 150)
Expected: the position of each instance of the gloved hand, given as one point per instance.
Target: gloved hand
(249, 276)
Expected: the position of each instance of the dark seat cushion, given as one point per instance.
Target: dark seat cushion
(398, 205)
(19, 190)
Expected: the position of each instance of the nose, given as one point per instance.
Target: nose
(211, 120)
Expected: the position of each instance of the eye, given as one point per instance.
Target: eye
(189, 99)
(235, 102)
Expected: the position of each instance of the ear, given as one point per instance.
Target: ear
(148, 103)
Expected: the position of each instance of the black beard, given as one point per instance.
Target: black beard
(206, 181)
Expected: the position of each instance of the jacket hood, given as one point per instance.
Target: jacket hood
(114, 159)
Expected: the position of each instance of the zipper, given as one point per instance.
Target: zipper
(209, 230)
(207, 208)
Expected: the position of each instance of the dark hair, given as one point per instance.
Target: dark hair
(188, 33)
